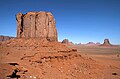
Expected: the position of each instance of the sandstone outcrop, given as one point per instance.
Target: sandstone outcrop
(36, 25)
(106, 43)
(4, 38)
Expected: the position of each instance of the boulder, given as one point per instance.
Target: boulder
(36, 25)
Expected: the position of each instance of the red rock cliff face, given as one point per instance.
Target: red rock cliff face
(36, 25)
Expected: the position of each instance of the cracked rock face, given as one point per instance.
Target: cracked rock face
(36, 25)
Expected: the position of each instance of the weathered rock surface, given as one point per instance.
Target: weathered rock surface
(4, 38)
(106, 43)
(36, 25)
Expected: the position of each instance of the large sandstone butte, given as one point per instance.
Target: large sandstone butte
(36, 25)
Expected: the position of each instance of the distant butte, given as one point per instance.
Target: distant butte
(106, 43)
(36, 25)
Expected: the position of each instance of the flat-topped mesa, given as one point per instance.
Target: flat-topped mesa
(36, 25)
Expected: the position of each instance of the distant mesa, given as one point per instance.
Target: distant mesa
(98, 43)
(79, 44)
(106, 43)
(4, 38)
(71, 43)
(92, 44)
(36, 25)
(89, 44)
(66, 41)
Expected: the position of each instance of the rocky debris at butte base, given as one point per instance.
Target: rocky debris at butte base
(36, 25)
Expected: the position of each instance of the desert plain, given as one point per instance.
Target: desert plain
(53, 60)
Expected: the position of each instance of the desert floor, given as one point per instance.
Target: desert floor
(106, 56)
(39, 59)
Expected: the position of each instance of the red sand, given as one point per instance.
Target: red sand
(40, 59)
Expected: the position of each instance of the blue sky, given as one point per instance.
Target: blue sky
(78, 20)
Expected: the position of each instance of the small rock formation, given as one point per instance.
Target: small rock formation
(106, 43)
(4, 38)
(98, 43)
(36, 25)
(71, 43)
(91, 43)
(78, 44)
(65, 41)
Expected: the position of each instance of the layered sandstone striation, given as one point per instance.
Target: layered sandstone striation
(36, 25)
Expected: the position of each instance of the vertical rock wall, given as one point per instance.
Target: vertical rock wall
(36, 25)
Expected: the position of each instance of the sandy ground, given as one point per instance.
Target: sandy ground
(106, 56)
(39, 59)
